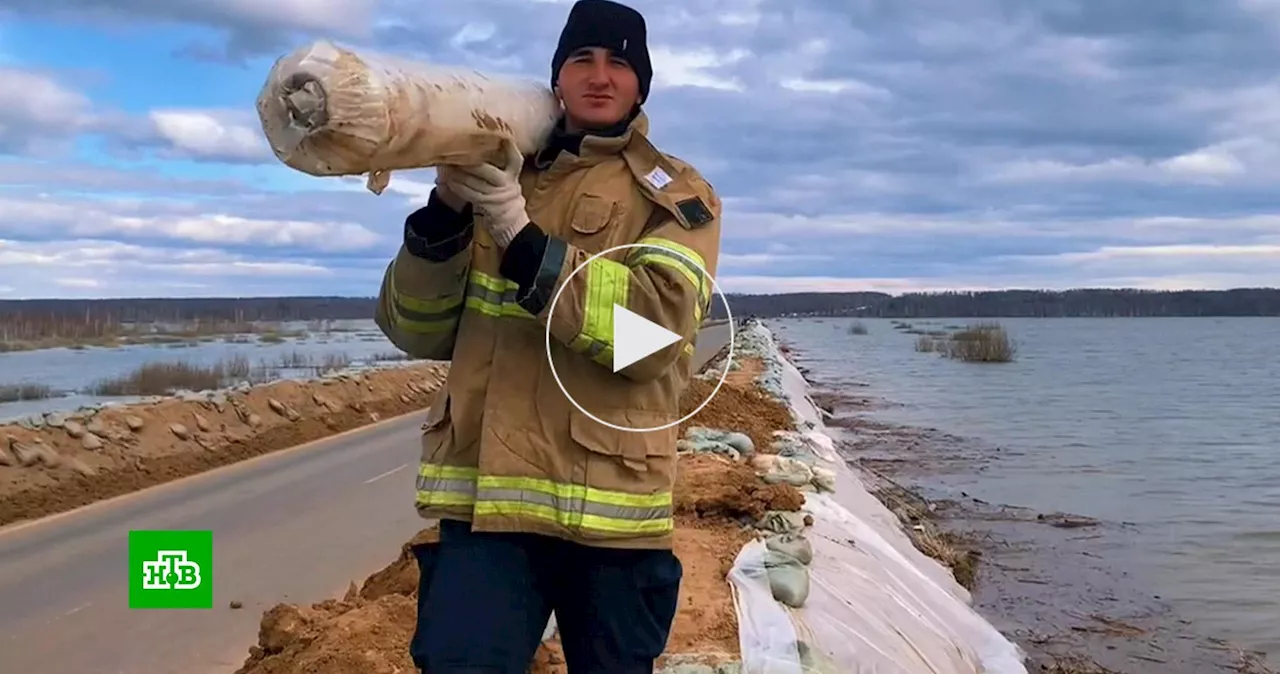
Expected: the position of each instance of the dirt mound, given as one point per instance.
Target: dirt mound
(714, 486)
(74, 459)
(706, 621)
(401, 576)
(736, 406)
(368, 630)
(352, 636)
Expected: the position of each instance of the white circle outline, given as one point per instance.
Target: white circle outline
(551, 310)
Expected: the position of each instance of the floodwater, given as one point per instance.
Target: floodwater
(73, 372)
(1172, 424)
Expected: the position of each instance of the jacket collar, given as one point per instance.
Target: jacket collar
(592, 146)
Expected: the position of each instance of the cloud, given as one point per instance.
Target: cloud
(248, 28)
(125, 219)
(42, 116)
(101, 268)
(39, 113)
(216, 135)
(696, 68)
(864, 144)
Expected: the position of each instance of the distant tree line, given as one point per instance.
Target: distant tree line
(187, 310)
(995, 304)
(1100, 303)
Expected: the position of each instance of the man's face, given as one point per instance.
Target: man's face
(598, 89)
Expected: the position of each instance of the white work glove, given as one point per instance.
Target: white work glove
(494, 191)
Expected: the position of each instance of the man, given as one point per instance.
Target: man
(543, 508)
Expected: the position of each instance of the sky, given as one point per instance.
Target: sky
(884, 145)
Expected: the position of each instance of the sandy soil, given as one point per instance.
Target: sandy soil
(369, 630)
(740, 406)
(1048, 581)
(78, 458)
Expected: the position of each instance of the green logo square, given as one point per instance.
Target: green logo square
(170, 569)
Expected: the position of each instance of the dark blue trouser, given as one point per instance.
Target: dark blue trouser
(484, 600)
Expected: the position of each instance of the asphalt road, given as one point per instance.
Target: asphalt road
(293, 526)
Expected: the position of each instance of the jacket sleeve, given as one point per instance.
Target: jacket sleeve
(423, 290)
(666, 281)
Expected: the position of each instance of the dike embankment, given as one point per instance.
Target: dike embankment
(791, 564)
(64, 460)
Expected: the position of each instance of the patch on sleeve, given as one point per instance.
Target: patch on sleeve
(695, 211)
(658, 178)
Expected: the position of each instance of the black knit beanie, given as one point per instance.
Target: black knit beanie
(611, 25)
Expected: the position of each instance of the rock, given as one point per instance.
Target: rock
(277, 406)
(1066, 521)
(202, 423)
(79, 466)
(96, 427)
(254, 420)
(91, 442)
(74, 429)
(373, 416)
(404, 398)
(327, 403)
(55, 419)
(30, 454)
(26, 455)
(235, 603)
(219, 401)
(134, 422)
(180, 431)
(6, 459)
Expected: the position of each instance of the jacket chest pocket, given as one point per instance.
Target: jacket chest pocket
(595, 217)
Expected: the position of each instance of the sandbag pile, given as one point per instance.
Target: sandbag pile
(728, 443)
(838, 587)
(787, 553)
(328, 110)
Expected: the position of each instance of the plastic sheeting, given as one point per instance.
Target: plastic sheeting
(873, 603)
(328, 110)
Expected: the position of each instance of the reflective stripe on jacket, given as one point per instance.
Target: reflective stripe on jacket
(502, 446)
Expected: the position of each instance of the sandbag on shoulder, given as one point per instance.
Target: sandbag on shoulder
(328, 110)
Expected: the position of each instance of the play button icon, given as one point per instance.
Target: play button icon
(632, 339)
(635, 337)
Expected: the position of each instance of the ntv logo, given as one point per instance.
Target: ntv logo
(170, 571)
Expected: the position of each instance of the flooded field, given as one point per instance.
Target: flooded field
(68, 378)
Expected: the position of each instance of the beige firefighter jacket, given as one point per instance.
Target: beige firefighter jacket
(502, 446)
